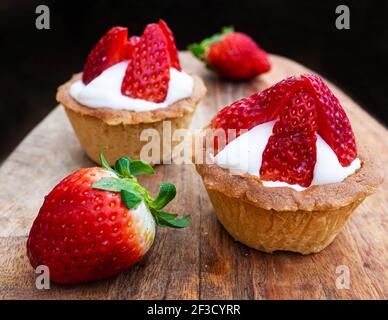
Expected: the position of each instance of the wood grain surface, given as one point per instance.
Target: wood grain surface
(201, 261)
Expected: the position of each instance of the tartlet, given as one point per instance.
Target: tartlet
(129, 85)
(281, 218)
(272, 219)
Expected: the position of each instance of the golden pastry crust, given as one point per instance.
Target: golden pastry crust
(270, 230)
(115, 117)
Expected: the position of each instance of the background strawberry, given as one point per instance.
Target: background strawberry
(97, 222)
(148, 72)
(232, 55)
(107, 52)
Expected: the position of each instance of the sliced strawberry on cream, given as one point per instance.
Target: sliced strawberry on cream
(289, 142)
(136, 74)
(334, 125)
(107, 52)
(258, 108)
(290, 154)
(172, 50)
(148, 71)
(130, 46)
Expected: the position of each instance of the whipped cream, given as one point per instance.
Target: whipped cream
(105, 90)
(244, 155)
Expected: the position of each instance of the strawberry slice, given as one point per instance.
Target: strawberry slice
(109, 50)
(333, 124)
(130, 46)
(148, 72)
(290, 154)
(256, 109)
(171, 44)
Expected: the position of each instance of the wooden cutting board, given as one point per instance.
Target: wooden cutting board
(202, 261)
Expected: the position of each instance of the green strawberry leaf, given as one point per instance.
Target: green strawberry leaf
(105, 163)
(165, 219)
(197, 50)
(140, 167)
(114, 184)
(130, 199)
(132, 193)
(228, 29)
(166, 215)
(167, 192)
(122, 166)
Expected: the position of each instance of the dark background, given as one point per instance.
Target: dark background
(34, 62)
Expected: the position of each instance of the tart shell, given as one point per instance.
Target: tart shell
(281, 218)
(117, 132)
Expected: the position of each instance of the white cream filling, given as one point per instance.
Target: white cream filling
(244, 155)
(105, 91)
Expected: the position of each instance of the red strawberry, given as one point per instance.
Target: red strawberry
(97, 222)
(130, 46)
(334, 125)
(290, 154)
(171, 44)
(233, 55)
(148, 72)
(107, 52)
(256, 109)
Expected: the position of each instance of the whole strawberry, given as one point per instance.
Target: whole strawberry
(98, 222)
(232, 55)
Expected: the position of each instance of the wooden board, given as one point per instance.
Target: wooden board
(202, 261)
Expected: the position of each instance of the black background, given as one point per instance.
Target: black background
(34, 62)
